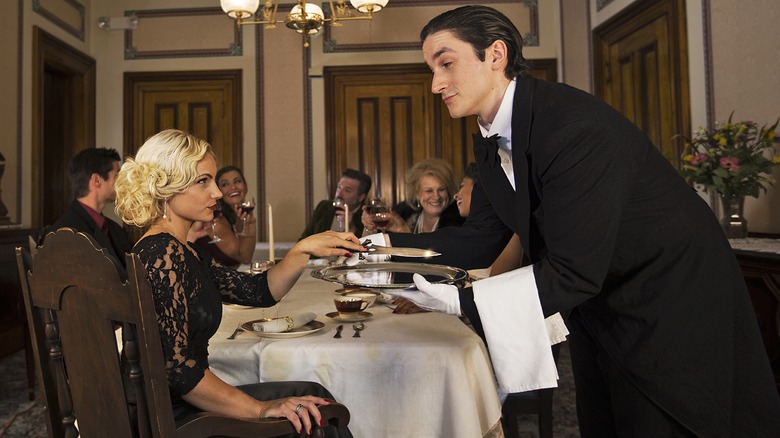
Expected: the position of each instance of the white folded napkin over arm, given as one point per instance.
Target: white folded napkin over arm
(518, 335)
(284, 323)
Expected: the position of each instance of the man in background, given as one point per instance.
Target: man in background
(352, 190)
(92, 174)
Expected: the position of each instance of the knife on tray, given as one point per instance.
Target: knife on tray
(401, 252)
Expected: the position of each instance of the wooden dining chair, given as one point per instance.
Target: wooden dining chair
(74, 297)
(539, 403)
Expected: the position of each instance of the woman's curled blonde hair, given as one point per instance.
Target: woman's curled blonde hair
(164, 166)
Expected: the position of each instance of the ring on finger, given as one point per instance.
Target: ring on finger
(298, 408)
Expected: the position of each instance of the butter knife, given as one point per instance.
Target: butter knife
(401, 252)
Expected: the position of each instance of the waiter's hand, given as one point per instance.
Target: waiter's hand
(434, 297)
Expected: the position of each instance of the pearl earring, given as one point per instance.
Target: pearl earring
(165, 210)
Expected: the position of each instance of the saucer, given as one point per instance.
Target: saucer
(360, 316)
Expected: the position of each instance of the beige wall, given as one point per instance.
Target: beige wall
(564, 27)
(745, 73)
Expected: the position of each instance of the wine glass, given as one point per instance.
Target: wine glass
(248, 206)
(339, 205)
(379, 213)
(217, 214)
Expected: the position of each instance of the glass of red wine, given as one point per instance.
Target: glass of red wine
(339, 205)
(248, 206)
(379, 213)
(217, 214)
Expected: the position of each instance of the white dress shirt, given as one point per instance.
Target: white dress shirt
(518, 335)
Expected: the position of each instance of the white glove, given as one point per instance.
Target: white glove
(434, 297)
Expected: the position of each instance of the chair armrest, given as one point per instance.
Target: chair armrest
(207, 424)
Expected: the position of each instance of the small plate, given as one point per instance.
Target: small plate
(237, 306)
(361, 316)
(306, 329)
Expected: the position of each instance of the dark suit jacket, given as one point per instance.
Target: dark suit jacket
(322, 218)
(616, 236)
(77, 218)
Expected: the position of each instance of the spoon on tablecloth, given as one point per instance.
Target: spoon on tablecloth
(358, 327)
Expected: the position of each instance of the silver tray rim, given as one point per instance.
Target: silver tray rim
(452, 274)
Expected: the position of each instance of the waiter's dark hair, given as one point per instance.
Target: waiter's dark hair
(481, 26)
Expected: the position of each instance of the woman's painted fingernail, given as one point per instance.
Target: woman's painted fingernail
(347, 254)
(323, 423)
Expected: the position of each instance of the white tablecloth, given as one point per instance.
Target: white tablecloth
(423, 375)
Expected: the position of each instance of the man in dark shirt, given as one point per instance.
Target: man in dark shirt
(92, 173)
(353, 188)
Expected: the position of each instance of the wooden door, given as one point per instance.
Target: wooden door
(641, 70)
(63, 122)
(206, 104)
(383, 119)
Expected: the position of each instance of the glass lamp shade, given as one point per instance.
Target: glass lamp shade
(240, 8)
(309, 24)
(366, 6)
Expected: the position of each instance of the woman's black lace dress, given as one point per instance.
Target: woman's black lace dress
(188, 292)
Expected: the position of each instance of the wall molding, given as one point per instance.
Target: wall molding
(74, 28)
(330, 45)
(233, 47)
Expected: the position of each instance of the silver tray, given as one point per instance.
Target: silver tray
(389, 275)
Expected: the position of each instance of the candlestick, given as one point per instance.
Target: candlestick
(346, 217)
(270, 234)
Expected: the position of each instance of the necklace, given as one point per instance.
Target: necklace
(419, 227)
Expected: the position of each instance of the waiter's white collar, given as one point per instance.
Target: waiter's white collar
(502, 123)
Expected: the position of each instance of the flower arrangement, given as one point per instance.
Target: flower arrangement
(732, 159)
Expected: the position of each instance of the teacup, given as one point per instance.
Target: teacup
(363, 294)
(349, 306)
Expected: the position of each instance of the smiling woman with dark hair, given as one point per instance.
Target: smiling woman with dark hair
(233, 248)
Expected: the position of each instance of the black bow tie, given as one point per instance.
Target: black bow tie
(486, 149)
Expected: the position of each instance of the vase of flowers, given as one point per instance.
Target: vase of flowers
(734, 160)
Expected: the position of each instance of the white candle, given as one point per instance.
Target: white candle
(346, 217)
(270, 234)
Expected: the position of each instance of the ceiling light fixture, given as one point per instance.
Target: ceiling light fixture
(306, 18)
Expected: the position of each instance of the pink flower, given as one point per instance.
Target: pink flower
(730, 163)
(698, 158)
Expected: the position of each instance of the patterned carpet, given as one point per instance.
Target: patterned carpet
(20, 417)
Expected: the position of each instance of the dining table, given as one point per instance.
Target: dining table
(417, 375)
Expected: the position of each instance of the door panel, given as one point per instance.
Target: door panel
(206, 104)
(63, 121)
(641, 56)
(383, 119)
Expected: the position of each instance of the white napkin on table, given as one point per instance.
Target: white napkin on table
(284, 323)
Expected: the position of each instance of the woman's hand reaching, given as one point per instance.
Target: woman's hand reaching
(329, 244)
(301, 411)
(283, 276)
